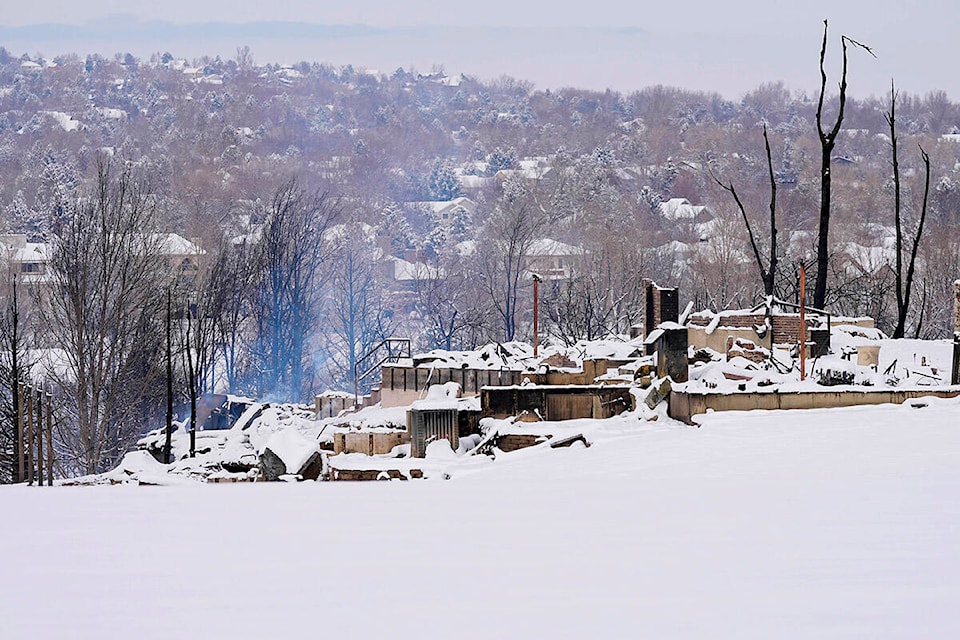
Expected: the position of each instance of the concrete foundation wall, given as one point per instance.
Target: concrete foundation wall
(683, 406)
(700, 339)
(371, 444)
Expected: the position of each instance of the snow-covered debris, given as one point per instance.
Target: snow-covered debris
(440, 396)
(288, 452)
(515, 356)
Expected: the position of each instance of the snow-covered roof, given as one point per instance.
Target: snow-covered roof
(404, 271)
(474, 182)
(172, 244)
(439, 206)
(680, 209)
(34, 252)
(508, 355)
(532, 173)
(549, 247)
(466, 248)
(871, 258)
(112, 114)
(66, 122)
(339, 232)
(675, 246)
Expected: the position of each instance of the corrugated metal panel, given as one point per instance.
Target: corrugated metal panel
(427, 425)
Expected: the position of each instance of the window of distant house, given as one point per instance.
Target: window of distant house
(30, 267)
(446, 216)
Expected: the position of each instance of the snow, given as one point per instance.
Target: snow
(803, 524)
(113, 114)
(404, 271)
(172, 244)
(549, 247)
(293, 448)
(66, 122)
(440, 396)
(506, 355)
(676, 209)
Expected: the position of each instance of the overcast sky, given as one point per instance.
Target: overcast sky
(725, 46)
(744, 16)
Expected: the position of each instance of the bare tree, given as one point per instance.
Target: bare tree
(904, 285)
(602, 295)
(232, 280)
(768, 273)
(446, 302)
(356, 317)
(502, 249)
(828, 140)
(168, 350)
(290, 258)
(102, 310)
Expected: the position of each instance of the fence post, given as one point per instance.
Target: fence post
(21, 466)
(49, 440)
(40, 437)
(31, 438)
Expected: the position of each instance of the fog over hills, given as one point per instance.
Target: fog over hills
(729, 61)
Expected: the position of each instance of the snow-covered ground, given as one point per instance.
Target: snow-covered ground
(839, 523)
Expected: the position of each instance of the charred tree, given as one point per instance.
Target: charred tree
(828, 140)
(904, 282)
(768, 272)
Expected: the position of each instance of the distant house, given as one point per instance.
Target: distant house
(443, 210)
(441, 78)
(526, 171)
(183, 257)
(28, 259)
(681, 210)
(551, 259)
(403, 275)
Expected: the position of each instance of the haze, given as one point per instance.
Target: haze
(729, 48)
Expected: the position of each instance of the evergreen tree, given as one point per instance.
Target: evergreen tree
(443, 182)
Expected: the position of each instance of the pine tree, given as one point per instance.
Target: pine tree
(396, 227)
(443, 183)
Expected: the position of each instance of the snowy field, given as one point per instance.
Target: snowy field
(820, 524)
